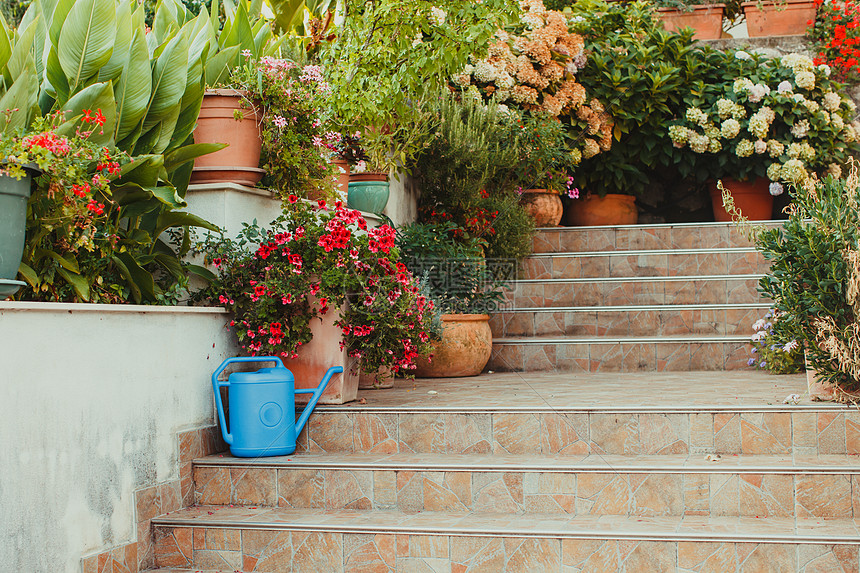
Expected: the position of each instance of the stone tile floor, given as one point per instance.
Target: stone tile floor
(600, 391)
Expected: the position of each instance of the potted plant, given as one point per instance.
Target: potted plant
(66, 194)
(814, 281)
(464, 288)
(778, 17)
(705, 18)
(320, 289)
(541, 172)
(764, 123)
(834, 39)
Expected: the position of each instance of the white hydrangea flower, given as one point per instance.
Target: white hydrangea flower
(775, 148)
(794, 171)
(745, 148)
(849, 134)
(437, 16)
(832, 101)
(760, 146)
(837, 121)
(834, 170)
(797, 62)
(757, 92)
(811, 105)
(800, 129)
(775, 189)
(774, 171)
(697, 116)
(711, 131)
(784, 87)
(741, 55)
(758, 125)
(825, 69)
(794, 150)
(725, 108)
(807, 152)
(714, 145)
(805, 80)
(730, 128)
(505, 81)
(679, 135)
(699, 143)
(485, 71)
(852, 107)
(799, 98)
(741, 85)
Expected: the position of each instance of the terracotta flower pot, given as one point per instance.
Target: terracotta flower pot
(341, 171)
(544, 206)
(379, 380)
(464, 349)
(239, 162)
(783, 18)
(751, 197)
(593, 210)
(706, 19)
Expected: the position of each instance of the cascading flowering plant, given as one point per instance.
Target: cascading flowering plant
(72, 193)
(533, 66)
(291, 97)
(769, 353)
(780, 118)
(315, 260)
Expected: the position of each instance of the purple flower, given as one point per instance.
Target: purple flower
(751, 362)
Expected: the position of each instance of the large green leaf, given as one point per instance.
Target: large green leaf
(190, 153)
(169, 219)
(21, 53)
(94, 97)
(121, 46)
(166, 22)
(143, 170)
(58, 19)
(134, 88)
(217, 68)
(20, 96)
(77, 282)
(166, 127)
(288, 13)
(57, 79)
(121, 265)
(238, 32)
(5, 43)
(168, 82)
(86, 40)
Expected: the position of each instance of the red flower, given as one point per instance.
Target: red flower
(292, 198)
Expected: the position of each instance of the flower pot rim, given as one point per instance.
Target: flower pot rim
(700, 7)
(226, 92)
(365, 176)
(464, 317)
(539, 190)
(775, 4)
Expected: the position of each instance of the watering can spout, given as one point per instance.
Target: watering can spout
(309, 407)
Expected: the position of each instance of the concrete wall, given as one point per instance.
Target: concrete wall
(92, 399)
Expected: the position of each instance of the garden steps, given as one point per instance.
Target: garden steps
(540, 472)
(665, 297)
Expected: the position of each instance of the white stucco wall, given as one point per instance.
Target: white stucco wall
(92, 397)
(402, 205)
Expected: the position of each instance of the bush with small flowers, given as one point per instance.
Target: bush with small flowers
(770, 352)
(835, 35)
(315, 260)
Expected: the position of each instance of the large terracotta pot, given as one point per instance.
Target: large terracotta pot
(706, 19)
(368, 192)
(239, 162)
(593, 210)
(381, 379)
(751, 197)
(341, 172)
(544, 206)
(783, 18)
(464, 349)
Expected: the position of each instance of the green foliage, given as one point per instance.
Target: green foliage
(770, 352)
(13, 10)
(809, 275)
(458, 278)
(641, 73)
(543, 155)
(468, 172)
(390, 55)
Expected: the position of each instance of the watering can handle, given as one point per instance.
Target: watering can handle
(218, 384)
(317, 392)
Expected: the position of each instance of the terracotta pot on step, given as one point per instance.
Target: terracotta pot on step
(780, 18)
(611, 209)
(706, 19)
(379, 380)
(464, 349)
(751, 197)
(239, 162)
(544, 206)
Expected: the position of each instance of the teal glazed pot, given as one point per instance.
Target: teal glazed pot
(368, 192)
(13, 220)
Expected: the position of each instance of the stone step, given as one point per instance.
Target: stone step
(594, 484)
(622, 354)
(277, 540)
(631, 320)
(643, 263)
(636, 237)
(521, 417)
(602, 291)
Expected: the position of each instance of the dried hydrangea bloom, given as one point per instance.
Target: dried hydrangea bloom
(524, 94)
(590, 148)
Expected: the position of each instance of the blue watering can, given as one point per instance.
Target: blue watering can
(263, 408)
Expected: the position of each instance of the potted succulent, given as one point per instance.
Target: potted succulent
(764, 123)
(320, 289)
(59, 152)
(464, 288)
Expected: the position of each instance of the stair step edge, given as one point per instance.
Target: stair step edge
(641, 252)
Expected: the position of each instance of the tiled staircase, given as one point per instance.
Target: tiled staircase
(592, 471)
(638, 298)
